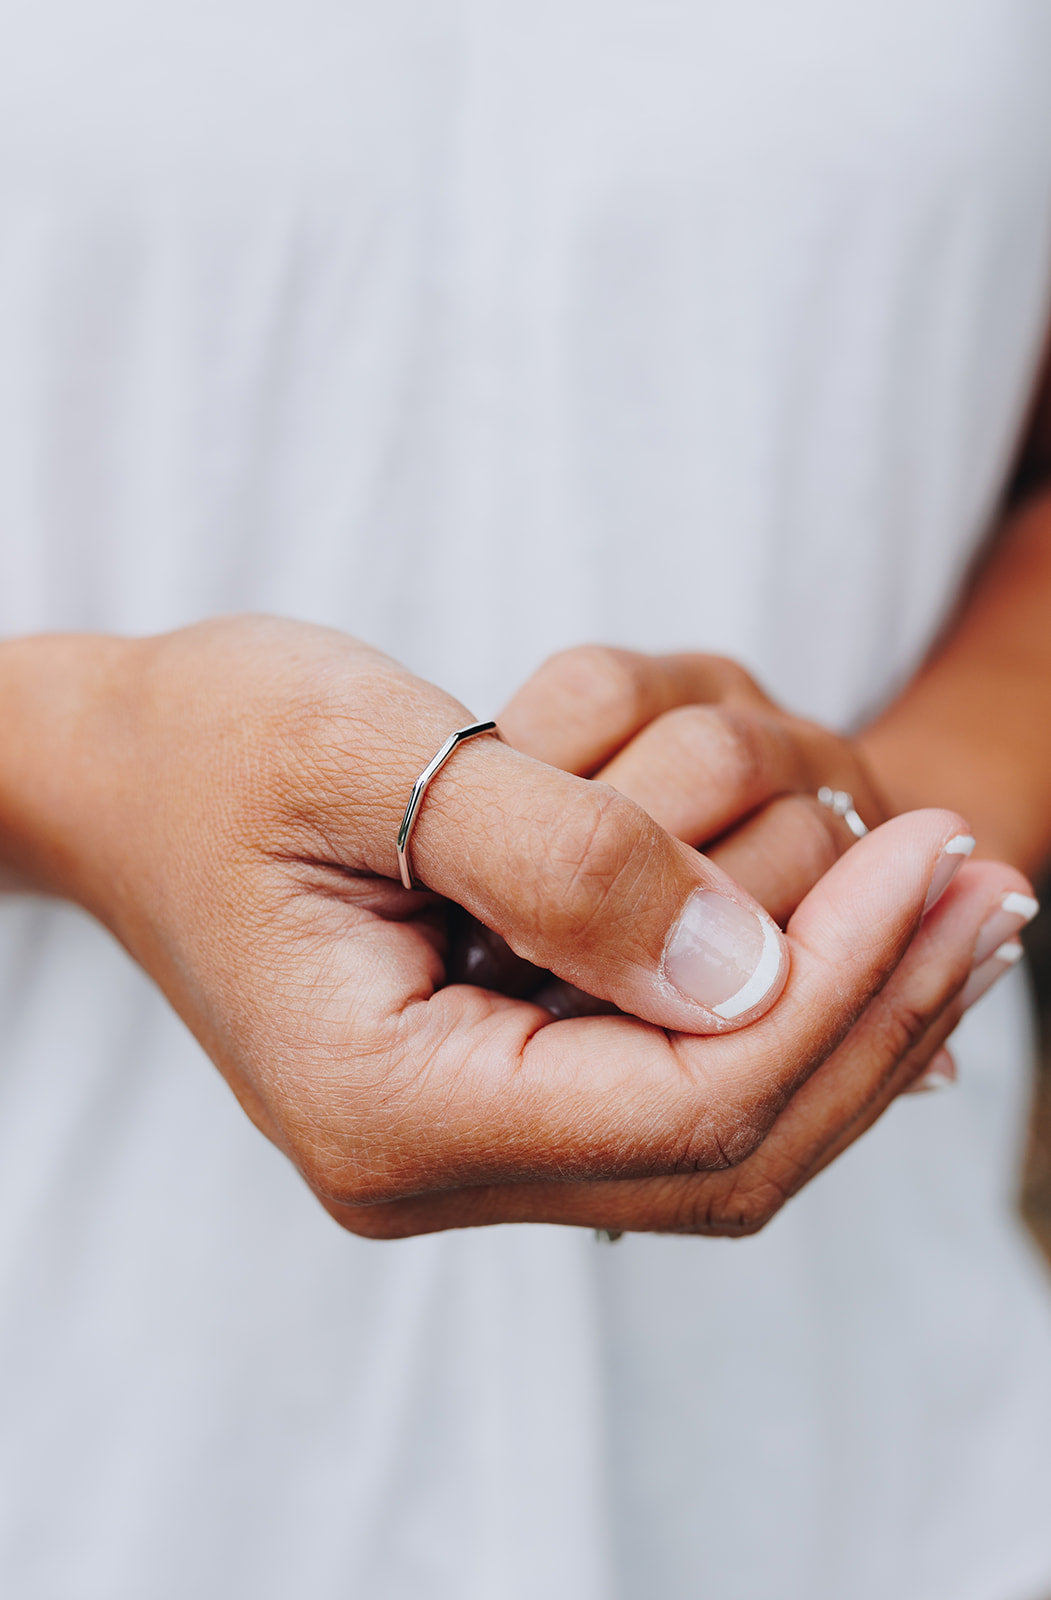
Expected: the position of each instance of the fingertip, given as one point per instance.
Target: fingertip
(888, 878)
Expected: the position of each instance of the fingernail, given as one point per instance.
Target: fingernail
(948, 865)
(940, 1073)
(983, 977)
(1013, 912)
(722, 956)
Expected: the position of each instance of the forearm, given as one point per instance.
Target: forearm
(973, 728)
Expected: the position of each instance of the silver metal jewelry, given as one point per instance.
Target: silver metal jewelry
(419, 789)
(842, 803)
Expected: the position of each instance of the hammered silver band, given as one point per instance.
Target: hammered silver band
(419, 789)
(842, 803)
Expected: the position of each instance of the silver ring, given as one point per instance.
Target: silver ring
(842, 803)
(419, 789)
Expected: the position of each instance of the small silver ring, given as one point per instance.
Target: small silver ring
(842, 803)
(419, 789)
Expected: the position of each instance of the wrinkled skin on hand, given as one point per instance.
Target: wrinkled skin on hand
(226, 800)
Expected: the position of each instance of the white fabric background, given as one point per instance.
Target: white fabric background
(479, 329)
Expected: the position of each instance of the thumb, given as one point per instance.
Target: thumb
(581, 881)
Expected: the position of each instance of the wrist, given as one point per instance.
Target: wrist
(925, 761)
(60, 700)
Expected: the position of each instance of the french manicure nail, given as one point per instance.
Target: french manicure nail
(993, 967)
(722, 956)
(940, 1073)
(1013, 912)
(947, 866)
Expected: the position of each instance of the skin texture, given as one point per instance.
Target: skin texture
(226, 798)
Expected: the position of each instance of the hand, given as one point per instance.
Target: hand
(696, 742)
(226, 800)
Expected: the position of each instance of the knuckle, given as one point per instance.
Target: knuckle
(688, 1209)
(750, 1212)
(600, 677)
(814, 837)
(732, 677)
(736, 1136)
(735, 752)
(599, 848)
(735, 1211)
(824, 750)
(720, 742)
(902, 1025)
(720, 1142)
(746, 1208)
(689, 733)
(727, 1120)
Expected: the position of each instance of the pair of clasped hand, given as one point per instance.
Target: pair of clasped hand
(239, 837)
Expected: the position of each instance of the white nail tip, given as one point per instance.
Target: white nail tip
(961, 845)
(1008, 952)
(761, 981)
(1021, 905)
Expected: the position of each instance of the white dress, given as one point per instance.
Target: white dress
(479, 328)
